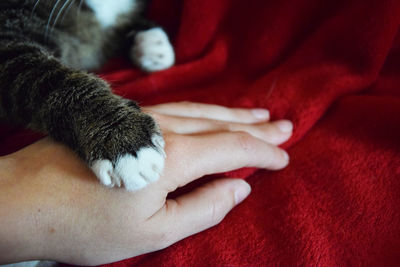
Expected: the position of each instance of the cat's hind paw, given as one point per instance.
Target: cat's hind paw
(133, 172)
(152, 50)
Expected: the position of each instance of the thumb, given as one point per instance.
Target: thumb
(200, 209)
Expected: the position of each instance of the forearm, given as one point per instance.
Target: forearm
(19, 221)
(48, 202)
(41, 199)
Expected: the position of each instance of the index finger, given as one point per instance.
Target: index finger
(191, 157)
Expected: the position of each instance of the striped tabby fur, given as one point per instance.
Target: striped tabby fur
(45, 49)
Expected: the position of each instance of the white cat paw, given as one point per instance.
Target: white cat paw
(132, 172)
(152, 50)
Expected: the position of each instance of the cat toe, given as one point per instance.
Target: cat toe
(137, 172)
(103, 170)
(152, 50)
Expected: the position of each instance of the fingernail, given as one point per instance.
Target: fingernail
(241, 192)
(261, 114)
(284, 126)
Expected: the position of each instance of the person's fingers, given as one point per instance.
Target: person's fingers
(276, 132)
(198, 210)
(216, 153)
(208, 111)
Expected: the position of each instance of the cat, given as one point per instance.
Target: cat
(47, 48)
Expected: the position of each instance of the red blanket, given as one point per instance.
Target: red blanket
(333, 68)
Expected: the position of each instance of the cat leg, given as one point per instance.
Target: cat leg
(121, 144)
(150, 49)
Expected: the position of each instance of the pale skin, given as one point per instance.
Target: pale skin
(52, 207)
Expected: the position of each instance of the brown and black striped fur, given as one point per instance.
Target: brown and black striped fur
(44, 85)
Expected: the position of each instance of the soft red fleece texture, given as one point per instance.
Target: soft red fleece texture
(333, 68)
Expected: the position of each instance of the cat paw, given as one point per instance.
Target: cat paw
(152, 50)
(130, 171)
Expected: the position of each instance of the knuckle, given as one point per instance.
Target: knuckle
(219, 206)
(245, 141)
(216, 214)
(213, 216)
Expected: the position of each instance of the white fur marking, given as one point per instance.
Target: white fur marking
(132, 172)
(152, 50)
(107, 11)
(102, 169)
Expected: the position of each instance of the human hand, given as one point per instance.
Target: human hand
(52, 206)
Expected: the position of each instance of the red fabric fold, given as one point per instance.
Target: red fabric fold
(333, 68)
